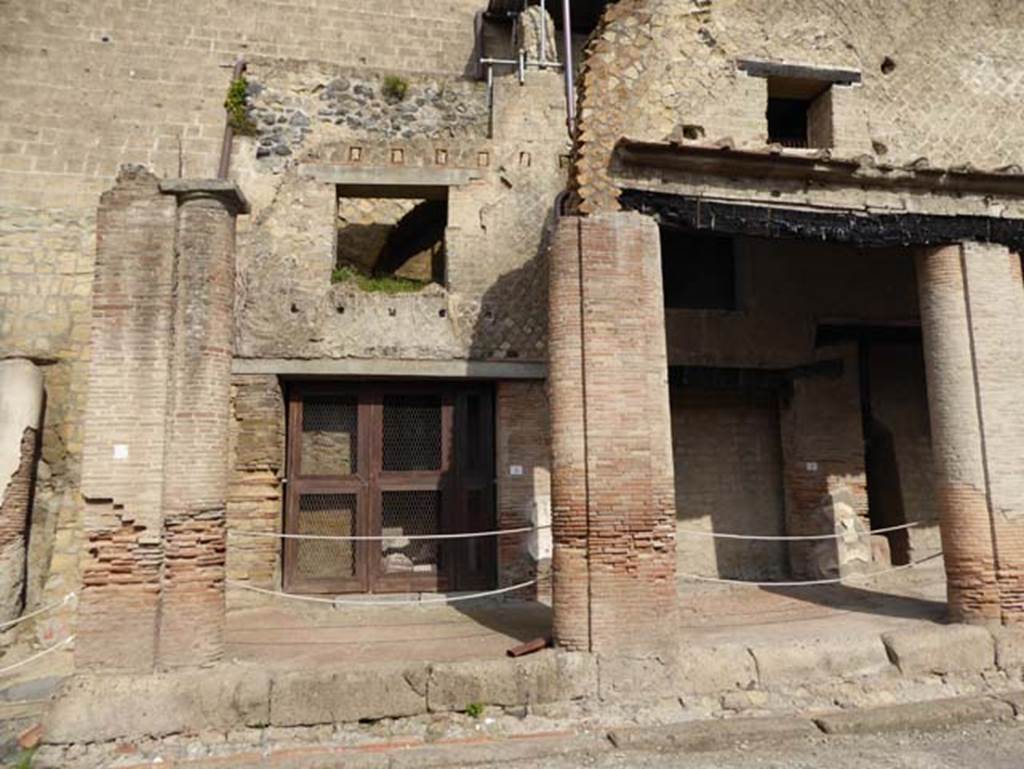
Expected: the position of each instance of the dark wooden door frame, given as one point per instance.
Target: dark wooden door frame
(456, 477)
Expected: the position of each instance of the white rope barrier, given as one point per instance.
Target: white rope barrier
(384, 537)
(797, 538)
(384, 602)
(37, 612)
(809, 582)
(34, 657)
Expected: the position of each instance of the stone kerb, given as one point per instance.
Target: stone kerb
(910, 665)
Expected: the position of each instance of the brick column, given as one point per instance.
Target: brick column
(21, 410)
(198, 413)
(972, 313)
(613, 502)
(161, 343)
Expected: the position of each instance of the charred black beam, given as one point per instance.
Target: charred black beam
(837, 333)
(732, 378)
(853, 228)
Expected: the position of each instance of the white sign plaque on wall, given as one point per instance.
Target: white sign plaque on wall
(515, 470)
(120, 451)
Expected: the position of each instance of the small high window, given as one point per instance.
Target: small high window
(392, 232)
(799, 112)
(698, 270)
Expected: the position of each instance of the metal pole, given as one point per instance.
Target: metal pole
(229, 133)
(490, 101)
(570, 89)
(543, 33)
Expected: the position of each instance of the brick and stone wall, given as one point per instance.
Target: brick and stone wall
(654, 66)
(729, 479)
(500, 192)
(784, 291)
(255, 500)
(21, 411)
(90, 87)
(522, 435)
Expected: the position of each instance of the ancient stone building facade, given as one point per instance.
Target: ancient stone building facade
(770, 286)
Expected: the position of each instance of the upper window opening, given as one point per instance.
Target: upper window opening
(391, 233)
(698, 270)
(799, 112)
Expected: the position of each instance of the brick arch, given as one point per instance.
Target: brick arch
(621, 39)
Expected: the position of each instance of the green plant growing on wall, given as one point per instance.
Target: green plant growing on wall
(395, 88)
(474, 709)
(235, 104)
(381, 284)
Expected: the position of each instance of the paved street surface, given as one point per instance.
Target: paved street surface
(979, 746)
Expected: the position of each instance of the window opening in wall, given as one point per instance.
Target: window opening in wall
(391, 239)
(799, 112)
(698, 270)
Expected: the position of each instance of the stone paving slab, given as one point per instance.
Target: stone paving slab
(710, 735)
(941, 649)
(933, 714)
(1016, 699)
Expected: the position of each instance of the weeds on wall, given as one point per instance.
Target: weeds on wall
(236, 105)
(381, 284)
(395, 88)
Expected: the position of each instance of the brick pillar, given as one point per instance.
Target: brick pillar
(122, 462)
(198, 414)
(21, 410)
(972, 313)
(155, 459)
(823, 471)
(613, 501)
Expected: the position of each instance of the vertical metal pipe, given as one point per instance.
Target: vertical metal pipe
(543, 33)
(570, 89)
(229, 133)
(490, 101)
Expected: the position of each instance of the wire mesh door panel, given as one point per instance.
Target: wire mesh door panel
(414, 481)
(327, 491)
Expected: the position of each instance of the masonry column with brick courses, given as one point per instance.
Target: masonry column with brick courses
(613, 505)
(161, 343)
(198, 413)
(972, 312)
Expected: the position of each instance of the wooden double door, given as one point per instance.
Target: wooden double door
(390, 462)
